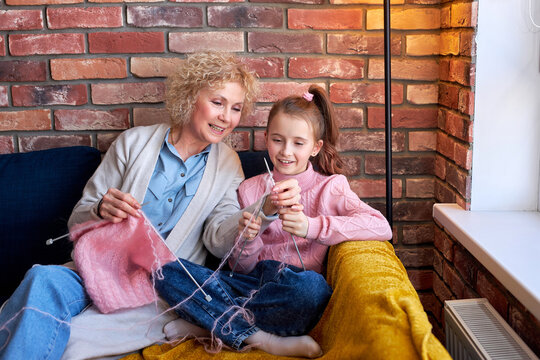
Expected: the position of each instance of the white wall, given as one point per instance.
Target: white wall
(506, 148)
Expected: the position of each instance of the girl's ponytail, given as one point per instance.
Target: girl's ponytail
(328, 160)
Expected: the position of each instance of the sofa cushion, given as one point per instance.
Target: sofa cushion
(38, 191)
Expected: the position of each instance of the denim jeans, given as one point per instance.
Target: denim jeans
(57, 293)
(286, 303)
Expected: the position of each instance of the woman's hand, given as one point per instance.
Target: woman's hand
(253, 229)
(116, 206)
(284, 194)
(294, 220)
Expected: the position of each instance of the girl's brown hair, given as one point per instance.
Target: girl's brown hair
(206, 70)
(319, 112)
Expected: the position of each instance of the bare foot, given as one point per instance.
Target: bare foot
(302, 346)
(181, 328)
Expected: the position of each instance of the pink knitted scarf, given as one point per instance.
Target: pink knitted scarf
(115, 261)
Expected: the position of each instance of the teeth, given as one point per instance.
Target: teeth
(286, 161)
(217, 128)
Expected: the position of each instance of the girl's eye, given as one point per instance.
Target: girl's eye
(237, 109)
(276, 140)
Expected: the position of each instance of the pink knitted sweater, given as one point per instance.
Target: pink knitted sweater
(115, 261)
(335, 214)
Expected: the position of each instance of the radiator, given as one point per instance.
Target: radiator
(475, 331)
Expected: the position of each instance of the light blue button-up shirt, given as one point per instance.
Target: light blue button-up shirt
(172, 186)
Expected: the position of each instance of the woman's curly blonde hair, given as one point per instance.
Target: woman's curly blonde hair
(201, 71)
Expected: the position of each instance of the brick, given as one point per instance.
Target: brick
(431, 304)
(449, 96)
(466, 101)
(369, 141)
(117, 119)
(438, 263)
(352, 165)
(408, 69)
(86, 18)
(21, 20)
(42, 2)
(266, 67)
(462, 72)
(441, 290)
(422, 94)
(154, 66)
(46, 44)
(199, 41)
(258, 141)
(125, 93)
(30, 95)
(361, 44)
(401, 165)
(326, 19)
(372, 2)
(126, 42)
(467, 43)
(264, 42)
(419, 188)
(2, 46)
(309, 68)
(466, 264)
(422, 140)
(105, 68)
(123, 1)
(288, 1)
(488, 287)
(25, 120)
(464, 14)
(238, 140)
(374, 188)
(421, 279)
(364, 93)
(420, 210)
(458, 126)
(23, 70)
(407, 19)
(258, 118)
(454, 282)
(149, 116)
(459, 179)
(33, 143)
(245, 17)
(403, 118)
(349, 117)
(444, 244)
(165, 16)
(444, 69)
(6, 145)
(526, 326)
(273, 91)
(4, 101)
(422, 45)
(417, 234)
(440, 167)
(104, 141)
(443, 193)
(463, 155)
(415, 257)
(449, 43)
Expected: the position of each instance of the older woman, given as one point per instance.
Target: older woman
(187, 180)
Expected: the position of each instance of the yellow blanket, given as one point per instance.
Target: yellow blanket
(374, 313)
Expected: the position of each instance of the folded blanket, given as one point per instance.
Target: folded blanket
(374, 313)
(115, 261)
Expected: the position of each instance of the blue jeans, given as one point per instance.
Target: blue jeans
(30, 334)
(286, 303)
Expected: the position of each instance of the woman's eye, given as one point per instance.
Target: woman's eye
(299, 144)
(215, 102)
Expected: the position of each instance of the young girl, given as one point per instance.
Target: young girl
(268, 282)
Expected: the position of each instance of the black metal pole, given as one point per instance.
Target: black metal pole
(388, 110)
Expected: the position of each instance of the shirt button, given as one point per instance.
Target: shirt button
(169, 199)
(159, 224)
(182, 174)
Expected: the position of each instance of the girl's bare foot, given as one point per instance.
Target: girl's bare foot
(302, 346)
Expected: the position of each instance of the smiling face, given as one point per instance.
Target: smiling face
(290, 142)
(217, 112)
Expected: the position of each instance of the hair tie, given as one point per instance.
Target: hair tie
(308, 96)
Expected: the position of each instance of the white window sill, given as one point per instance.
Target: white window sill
(506, 243)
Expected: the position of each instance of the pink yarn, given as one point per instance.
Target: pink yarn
(115, 261)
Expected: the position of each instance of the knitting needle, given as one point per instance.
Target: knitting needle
(292, 236)
(51, 241)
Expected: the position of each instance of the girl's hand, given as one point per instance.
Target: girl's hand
(253, 230)
(116, 206)
(294, 220)
(284, 194)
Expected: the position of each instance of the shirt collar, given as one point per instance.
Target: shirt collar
(173, 150)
